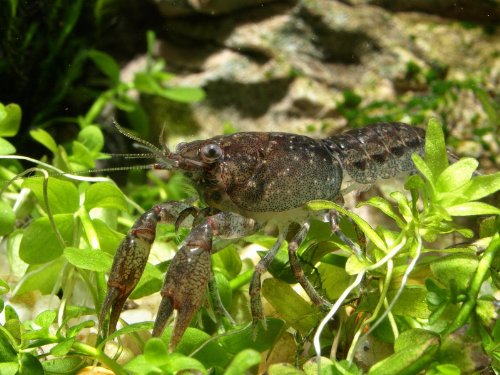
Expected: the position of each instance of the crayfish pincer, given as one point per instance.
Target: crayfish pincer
(248, 180)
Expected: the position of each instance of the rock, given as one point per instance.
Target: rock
(484, 11)
(283, 65)
(171, 8)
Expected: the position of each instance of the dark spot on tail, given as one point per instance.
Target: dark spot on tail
(398, 150)
(413, 142)
(380, 158)
(360, 164)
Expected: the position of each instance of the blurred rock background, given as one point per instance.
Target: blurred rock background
(307, 66)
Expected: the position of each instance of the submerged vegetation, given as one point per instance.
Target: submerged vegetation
(421, 296)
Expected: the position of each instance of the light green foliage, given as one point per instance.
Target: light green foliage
(10, 120)
(451, 281)
(409, 294)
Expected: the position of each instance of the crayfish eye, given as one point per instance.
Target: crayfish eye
(211, 152)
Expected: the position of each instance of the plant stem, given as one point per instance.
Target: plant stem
(241, 280)
(480, 275)
(100, 356)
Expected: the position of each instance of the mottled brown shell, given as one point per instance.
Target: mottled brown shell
(276, 172)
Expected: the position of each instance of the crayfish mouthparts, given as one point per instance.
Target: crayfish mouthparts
(247, 180)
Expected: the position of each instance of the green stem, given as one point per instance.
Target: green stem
(88, 227)
(241, 280)
(100, 356)
(478, 279)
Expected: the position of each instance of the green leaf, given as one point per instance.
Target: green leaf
(92, 138)
(62, 366)
(146, 83)
(124, 103)
(435, 148)
(487, 312)
(82, 158)
(106, 64)
(131, 328)
(30, 365)
(227, 261)
(109, 239)
(7, 352)
(42, 277)
(334, 279)
(225, 291)
(150, 282)
(178, 364)
(10, 119)
(410, 360)
(290, 306)
(354, 266)
(183, 94)
(9, 368)
(7, 218)
(472, 208)
(39, 243)
(423, 168)
(414, 337)
(89, 259)
(458, 268)
(6, 148)
(62, 195)
(326, 366)
(74, 330)
(211, 354)
(4, 287)
(412, 302)
(63, 347)
(46, 318)
(41, 136)
(482, 186)
(385, 207)
(317, 205)
(284, 369)
(456, 175)
(345, 367)
(243, 338)
(403, 206)
(105, 195)
(140, 366)
(242, 362)
(446, 369)
(156, 352)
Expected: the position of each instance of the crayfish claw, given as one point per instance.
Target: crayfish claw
(183, 215)
(164, 312)
(185, 283)
(115, 300)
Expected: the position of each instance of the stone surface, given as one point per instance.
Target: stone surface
(284, 65)
(487, 11)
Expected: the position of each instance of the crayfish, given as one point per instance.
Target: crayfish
(248, 180)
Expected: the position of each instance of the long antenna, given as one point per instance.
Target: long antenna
(148, 145)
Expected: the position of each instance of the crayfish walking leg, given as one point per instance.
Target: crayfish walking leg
(293, 245)
(255, 283)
